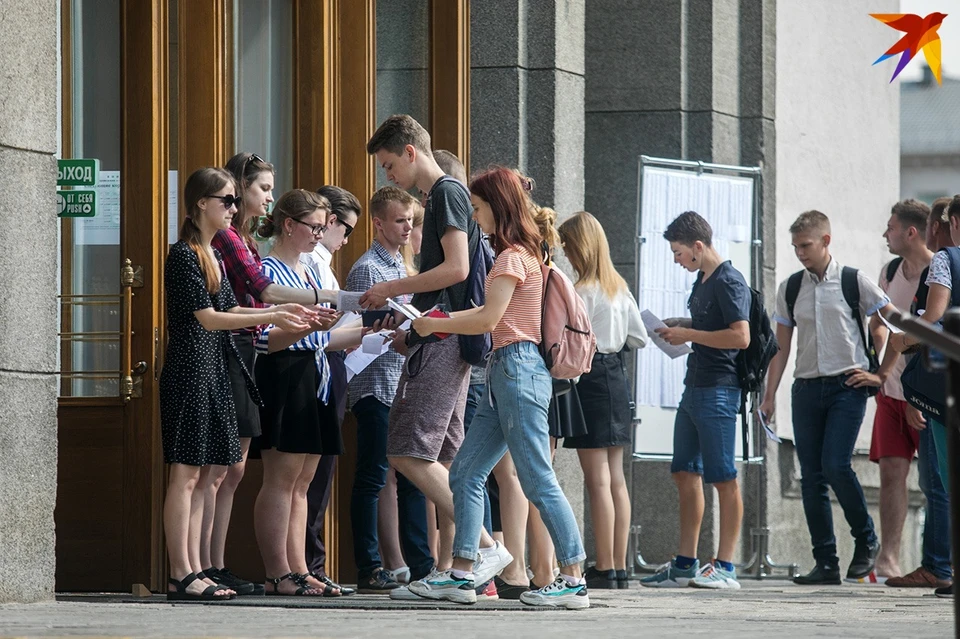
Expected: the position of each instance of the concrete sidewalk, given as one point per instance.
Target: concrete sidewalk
(760, 609)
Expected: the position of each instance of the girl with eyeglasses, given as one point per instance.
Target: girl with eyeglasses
(253, 289)
(197, 414)
(299, 423)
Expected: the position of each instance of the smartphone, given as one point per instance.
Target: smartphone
(369, 317)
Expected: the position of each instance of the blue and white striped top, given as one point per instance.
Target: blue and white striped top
(280, 273)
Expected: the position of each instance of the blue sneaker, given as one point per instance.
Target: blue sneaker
(558, 594)
(669, 576)
(443, 585)
(714, 577)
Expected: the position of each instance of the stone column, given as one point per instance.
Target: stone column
(684, 80)
(526, 111)
(29, 344)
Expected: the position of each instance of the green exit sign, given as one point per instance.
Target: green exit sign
(76, 203)
(77, 172)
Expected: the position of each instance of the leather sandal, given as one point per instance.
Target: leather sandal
(181, 594)
(304, 590)
(330, 585)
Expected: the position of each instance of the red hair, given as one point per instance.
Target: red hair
(513, 223)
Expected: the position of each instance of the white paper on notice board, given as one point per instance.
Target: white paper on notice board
(173, 221)
(104, 228)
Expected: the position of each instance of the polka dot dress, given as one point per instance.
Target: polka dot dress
(197, 415)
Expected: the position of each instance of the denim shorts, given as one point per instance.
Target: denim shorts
(705, 433)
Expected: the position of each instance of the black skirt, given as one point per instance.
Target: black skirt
(565, 416)
(605, 401)
(248, 413)
(292, 419)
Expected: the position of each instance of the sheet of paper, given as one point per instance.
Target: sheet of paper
(652, 323)
(408, 310)
(375, 344)
(767, 430)
(349, 301)
(357, 361)
(893, 329)
(345, 320)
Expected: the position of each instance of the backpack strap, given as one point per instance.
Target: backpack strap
(953, 254)
(793, 290)
(892, 267)
(850, 287)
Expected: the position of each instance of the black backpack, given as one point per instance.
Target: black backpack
(474, 348)
(851, 293)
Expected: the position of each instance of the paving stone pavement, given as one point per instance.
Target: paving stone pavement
(759, 609)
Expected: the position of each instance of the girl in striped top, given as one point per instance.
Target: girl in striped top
(298, 425)
(513, 413)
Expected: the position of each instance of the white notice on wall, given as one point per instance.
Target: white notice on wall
(173, 204)
(104, 228)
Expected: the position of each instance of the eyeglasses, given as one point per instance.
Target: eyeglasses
(349, 228)
(253, 158)
(316, 229)
(228, 200)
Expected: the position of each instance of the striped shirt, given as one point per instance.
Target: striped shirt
(280, 273)
(521, 320)
(380, 378)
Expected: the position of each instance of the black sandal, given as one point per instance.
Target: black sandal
(329, 585)
(305, 589)
(181, 594)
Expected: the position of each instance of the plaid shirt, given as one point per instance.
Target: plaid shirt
(243, 266)
(379, 379)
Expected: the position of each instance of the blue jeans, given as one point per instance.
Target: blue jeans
(936, 527)
(827, 415)
(474, 396)
(705, 433)
(371, 476)
(512, 416)
(939, 432)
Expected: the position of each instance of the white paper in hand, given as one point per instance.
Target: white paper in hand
(767, 430)
(651, 322)
(349, 301)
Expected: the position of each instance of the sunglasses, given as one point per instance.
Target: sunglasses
(253, 158)
(349, 228)
(228, 200)
(316, 229)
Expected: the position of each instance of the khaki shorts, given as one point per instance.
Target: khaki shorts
(426, 419)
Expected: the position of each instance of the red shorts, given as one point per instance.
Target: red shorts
(892, 435)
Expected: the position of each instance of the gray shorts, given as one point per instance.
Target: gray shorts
(426, 419)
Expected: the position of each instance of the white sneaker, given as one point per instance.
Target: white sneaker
(403, 593)
(443, 585)
(558, 594)
(401, 575)
(491, 562)
(715, 578)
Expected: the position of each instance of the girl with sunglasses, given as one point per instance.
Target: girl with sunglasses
(197, 414)
(513, 413)
(252, 289)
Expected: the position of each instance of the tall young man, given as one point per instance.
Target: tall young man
(830, 393)
(372, 392)
(426, 419)
(344, 212)
(705, 431)
(895, 441)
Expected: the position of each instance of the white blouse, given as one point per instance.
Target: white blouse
(616, 322)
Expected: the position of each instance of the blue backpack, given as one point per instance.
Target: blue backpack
(474, 348)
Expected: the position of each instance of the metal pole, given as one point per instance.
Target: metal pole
(951, 323)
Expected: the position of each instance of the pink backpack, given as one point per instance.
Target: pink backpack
(568, 342)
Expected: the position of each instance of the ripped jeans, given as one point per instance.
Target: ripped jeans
(512, 416)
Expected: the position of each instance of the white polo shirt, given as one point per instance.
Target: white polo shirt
(828, 338)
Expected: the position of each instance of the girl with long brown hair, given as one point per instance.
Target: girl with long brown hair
(197, 414)
(513, 413)
(604, 394)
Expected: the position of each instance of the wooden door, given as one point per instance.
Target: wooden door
(110, 468)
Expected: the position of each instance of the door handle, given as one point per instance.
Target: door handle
(130, 277)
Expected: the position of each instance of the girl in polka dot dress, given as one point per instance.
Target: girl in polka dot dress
(197, 415)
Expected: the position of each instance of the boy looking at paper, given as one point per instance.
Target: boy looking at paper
(704, 436)
(372, 392)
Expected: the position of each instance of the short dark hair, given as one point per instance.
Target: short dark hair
(953, 209)
(811, 221)
(450, 164)
(687, 228)
(341, 200)
(397, 132)
(912, 213)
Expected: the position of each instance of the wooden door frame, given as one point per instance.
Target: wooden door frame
(450, 77)
(143, 200)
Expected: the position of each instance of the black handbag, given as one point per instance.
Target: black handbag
(923, 388)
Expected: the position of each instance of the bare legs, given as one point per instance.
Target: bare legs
(182, 519)
(513, 517)
(893, 513)
(212, 546)
(691, 514)
(609, 504)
